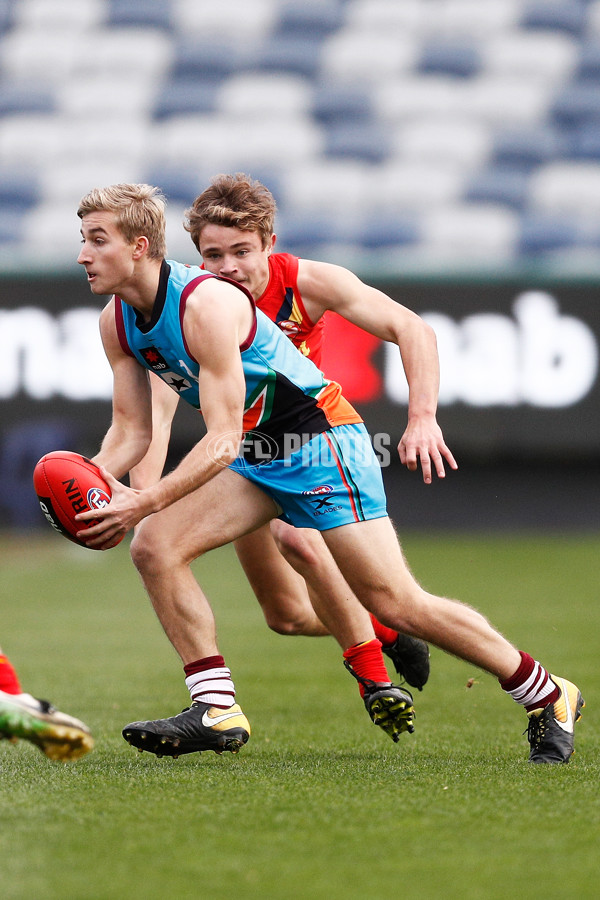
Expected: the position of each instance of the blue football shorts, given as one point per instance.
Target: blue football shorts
(333, 479)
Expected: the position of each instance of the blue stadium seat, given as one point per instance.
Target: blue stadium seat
(208, 61)
(333, 103)
(456, 60)
(541, 235)
(555, 15)
(23, 97)
(19, 188)
(584, 142)
(300, 55)
(367, 141)
(589, 62)
(375, 232)
(311, 20)
(503, 185)
(526, 148)
(185, 96)
(304, 235)
(6, 15)
(139, 13)
(576, 104)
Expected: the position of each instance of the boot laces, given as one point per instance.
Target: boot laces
(536, 730)
(367, 683)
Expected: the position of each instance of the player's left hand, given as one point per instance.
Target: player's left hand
(115, 519)
(423, 442)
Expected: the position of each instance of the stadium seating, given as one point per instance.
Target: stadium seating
(463, 128)
(507, 186)
(555, 15)
(541, 234)
(313, 19)
(454, 60)
(19, 189)
(528, 148)
(139, 13)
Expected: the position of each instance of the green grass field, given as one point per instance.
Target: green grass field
(320, 805)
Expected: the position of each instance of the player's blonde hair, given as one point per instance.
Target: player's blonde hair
(139, 210)
(234, 201)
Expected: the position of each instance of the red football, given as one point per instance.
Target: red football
(66, 484)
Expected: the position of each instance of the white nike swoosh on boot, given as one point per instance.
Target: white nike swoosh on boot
(209, 721)
(568, 725)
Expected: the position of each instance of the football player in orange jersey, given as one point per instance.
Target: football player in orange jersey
(232, 226)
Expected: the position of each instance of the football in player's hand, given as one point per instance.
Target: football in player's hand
(66, 484)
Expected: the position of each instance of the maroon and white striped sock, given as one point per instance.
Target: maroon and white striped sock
(531, 685)
(209, 681)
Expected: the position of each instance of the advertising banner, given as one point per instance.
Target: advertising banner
(519, 373)
(519, 364)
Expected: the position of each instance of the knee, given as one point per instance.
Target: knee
(285, 623)
(286, 613)
(151, 552)
(299, 546)
(154, 549)
(144, 552)
(283, 626)
(410, 615)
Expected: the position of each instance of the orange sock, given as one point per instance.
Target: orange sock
(386, 635)
(9, 683)
(367, 662)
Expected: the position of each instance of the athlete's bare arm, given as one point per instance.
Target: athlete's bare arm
(218, 319)
(130, 432)
(164, 404)
(324, 286)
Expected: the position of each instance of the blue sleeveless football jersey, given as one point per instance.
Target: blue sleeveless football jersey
(285, 392)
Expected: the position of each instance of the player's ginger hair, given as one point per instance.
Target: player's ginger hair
(234, 201)
(139, 210)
